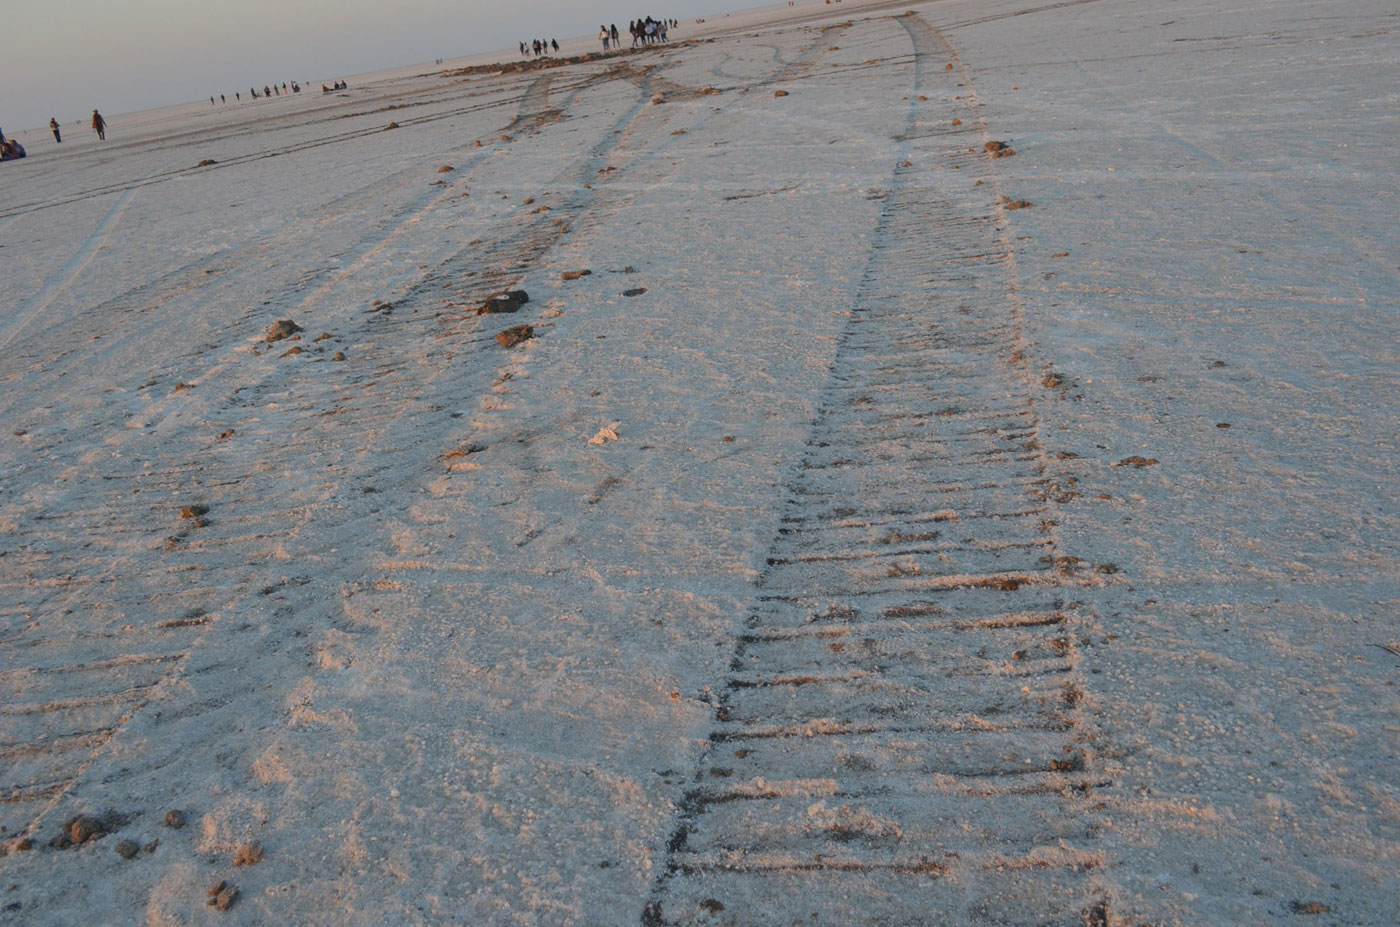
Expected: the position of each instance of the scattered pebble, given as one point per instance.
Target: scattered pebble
(1018, 204)
(193, 512)
(207, 162)
(392, 125)
(657, 98)
(293, 351)
(635, 291)
(1309, 907)
(1137, 461)
(780, 93)
(175, 818)
(446, 169)
(575, 274)
(338, 356)
(127, 849)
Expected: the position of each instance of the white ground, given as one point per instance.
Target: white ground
(450, 662)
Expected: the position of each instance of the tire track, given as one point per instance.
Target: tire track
(899, 740)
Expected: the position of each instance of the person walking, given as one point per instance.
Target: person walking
(603, 34)
(99, 125)
(53, 127)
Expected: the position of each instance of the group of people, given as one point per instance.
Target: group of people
(12, 150)
(269, 90)
(644, 32)
(539, 47)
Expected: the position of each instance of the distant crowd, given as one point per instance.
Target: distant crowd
(646, 31)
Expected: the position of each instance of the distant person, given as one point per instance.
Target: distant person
(11, 150)
(266, 91)
(555, 43)
(99, 125)
(254, 92)
(237, 97)
(53, 127)
(614, 36)
(603, 34)
(222, 99)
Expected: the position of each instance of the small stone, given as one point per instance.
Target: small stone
(635, 291)
(248, 854)
(1222, 424)
(151, 847)
(282, 328)
(127, 849)
(505, 302)
(293, 351)
(994, 146)
(175, 818)
(780, 93)
(1137, 461)
(392, 125)
(324, 336)
(194, 511)
(948, 66)
(575, 274)
(957, 122)
(225, 434)
(657, 98)
(207, 162)
(515, 335)
(446, 169)
(1018, 204)
(338, 356)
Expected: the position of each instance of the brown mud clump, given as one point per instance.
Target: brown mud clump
(222, 896)
(999, 149)
(574, 274)
(1137, 461)
(175, 818)
(282, 328)
(515, 335)
(248, 854)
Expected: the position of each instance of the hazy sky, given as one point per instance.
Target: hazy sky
(64, 57)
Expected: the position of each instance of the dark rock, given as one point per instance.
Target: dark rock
(338, 356)
(293, 351)
(175, 818)
(127, 849)
(780, 93)
(1137, 461)
(635, 291)
(514, 335)
(505, 302)
(283, 328)
(207, 162)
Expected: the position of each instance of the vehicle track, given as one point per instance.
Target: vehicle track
(899, 739)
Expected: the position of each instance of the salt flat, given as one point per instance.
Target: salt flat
(932, 537)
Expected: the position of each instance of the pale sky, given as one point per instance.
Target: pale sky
(62, 58)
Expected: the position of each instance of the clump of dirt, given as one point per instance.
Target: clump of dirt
(999, 149)
(222, 896)
(392, 125)
(575, 274)
(175, 818)
(1017, 204)
(1309, 907)
(293, 351)
(194, 512)
(515, 335)
(248, 854)
(84, 828)
(127, 849)
(1137, 461)
(282, 328)
(207, 162)
(780, 93)
(446, 169)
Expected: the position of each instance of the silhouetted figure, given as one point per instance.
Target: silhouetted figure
(614, 36)
(555, 43)
(222, 98)
(53, 127)
(254, 92)
(99, 125)
(237, 97)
